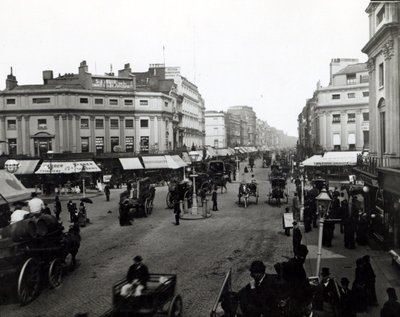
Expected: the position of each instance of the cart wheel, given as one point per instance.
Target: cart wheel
(245, 202)
(175, 308)
(170, 203)
(28, 281)
(150, 206)
(256, 199)
(55, 273)
(146, 207)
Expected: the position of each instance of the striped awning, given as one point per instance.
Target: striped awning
(63, 167)
(131, 163)
(155, 162)
(179, 161)
(26, 167)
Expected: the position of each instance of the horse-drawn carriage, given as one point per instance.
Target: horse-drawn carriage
(138, 198)
(278, 190)
(247, 190)
(158, 298)
(267, 159)
(35, 253)
(179, 190)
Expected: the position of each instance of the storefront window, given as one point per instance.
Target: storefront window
(144, 144)
(99, 145)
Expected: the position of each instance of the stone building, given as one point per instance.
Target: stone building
(215, 125)
(248, 123)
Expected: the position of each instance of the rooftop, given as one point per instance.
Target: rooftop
(354, 68)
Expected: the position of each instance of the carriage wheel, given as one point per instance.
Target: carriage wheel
(170, 203)
(256, 199)
(28, 281)
(150, 206)
(146, 207)
(246, 201)
(55, 273)
(175, 308)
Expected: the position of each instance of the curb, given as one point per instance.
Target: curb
(194, 217)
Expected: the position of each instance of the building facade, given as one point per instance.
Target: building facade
(215, 126)
(248, 123)
(81, 113)
(342, 109)
(232, 130)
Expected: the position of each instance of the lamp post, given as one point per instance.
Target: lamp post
(302, 193)
(193, 155)
(323, 204)
(83, 181)
(50, 155)
(237, 163)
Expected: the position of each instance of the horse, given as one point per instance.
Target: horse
(244, 191)
(71, 242)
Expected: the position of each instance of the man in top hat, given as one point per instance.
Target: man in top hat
(297, 236)
(391, 308)
(137, 277)
(326, 297)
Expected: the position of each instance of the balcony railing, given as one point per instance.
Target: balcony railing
(370, 164)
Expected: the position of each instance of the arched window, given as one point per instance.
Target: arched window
(382, 124)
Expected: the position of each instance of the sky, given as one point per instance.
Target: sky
(265, 54)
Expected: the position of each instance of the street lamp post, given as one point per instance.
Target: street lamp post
(193, 155)
(237, 163)
(50, 155)
(83, 181)
(323, 204)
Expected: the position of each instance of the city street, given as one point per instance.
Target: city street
(200, 252)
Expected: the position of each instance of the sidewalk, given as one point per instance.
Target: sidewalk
(342, 263)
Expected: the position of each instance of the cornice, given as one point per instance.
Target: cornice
(374, 40)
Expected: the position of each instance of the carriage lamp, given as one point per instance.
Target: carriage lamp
(194, 155)
(323, 204)
(12, 166)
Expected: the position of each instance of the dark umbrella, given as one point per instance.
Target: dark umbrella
(87, 200)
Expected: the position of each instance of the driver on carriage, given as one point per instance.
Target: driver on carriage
(137, 278)
(253, 182)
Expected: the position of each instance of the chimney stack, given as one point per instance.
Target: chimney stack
(83, 68)
(47, 75)
(11, 81)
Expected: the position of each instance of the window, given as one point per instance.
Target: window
(114, 123)
(99, 123)
(84, 100)
(365, 93)
(144, 123)
(351, 95)
(42, 124)
(98, 101)
(366, 139)
(336, 96)
(365, 116)
(166, 103)
(351, 79)
(113, 102)
(364, 79)
(11, 124)
(380, 16)
(12, 146)
(84, 123)
(336, 118)
(128, 123)
(144, 144)
(351, 117)
(128, 102)
(85, 145)
(10, 101)
(216, 143)
(336, 141)
(382, 126)
(351, 140)
(114, 144)
(144, 102)
(381, 75)
(40, 100)
(99, 144)
(129, 144)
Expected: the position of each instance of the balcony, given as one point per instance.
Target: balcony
(370, 164)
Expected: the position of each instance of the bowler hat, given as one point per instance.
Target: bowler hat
(294, 223)
(137, 258)
(257, 267)
(391, 292)
(325, 271)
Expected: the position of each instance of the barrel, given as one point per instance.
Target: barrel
(46, 224)
(20, 230)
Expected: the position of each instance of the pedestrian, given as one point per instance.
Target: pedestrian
(107, 192)
(46, 210)
(297, 236)
(287, 228)
(214, 200)
(391, 308)
(295, 206)
(326, 297)
(349, 231)
(58, 208)
(370, 281)
(137, 278)
(343, 211)
(359, 287)
(346, 302)
(35, 204)
(246, 170)
(307, 218)
(203, 196)
(327, 232)
(71, 211)
(177, 210)
(362, 230)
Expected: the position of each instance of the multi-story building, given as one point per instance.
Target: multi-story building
(232, 129)
(261, 138)
(81, 113)
(215, 125)
(248, 124)
(341, 110)
(381, 169)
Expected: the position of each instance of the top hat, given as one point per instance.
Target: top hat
(137, 258)
(257, 267)
(325, 271)
(294, 223)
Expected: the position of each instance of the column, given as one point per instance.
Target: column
(151, 136)
(107, 145)
(71, 134)
(27, 136)
(122, 132)
(328, 135)
(19, 139)
(57, 133)
(92, 139)
(159, 136)
(343, 129)
(137, 135)
(162, 133)
(77, 134)
(359, 144)
(373, 115)
(3, 136)
(64, 130)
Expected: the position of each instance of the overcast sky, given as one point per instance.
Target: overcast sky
(265, 54)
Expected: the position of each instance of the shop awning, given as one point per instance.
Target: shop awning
(223, 152)
(344, 158)
(186, 158)
(211, 152)
(12, 189)
(131, 163)
(179, 161)
(26, 167)
(62, 167)
(311, 161)
(154, 162)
